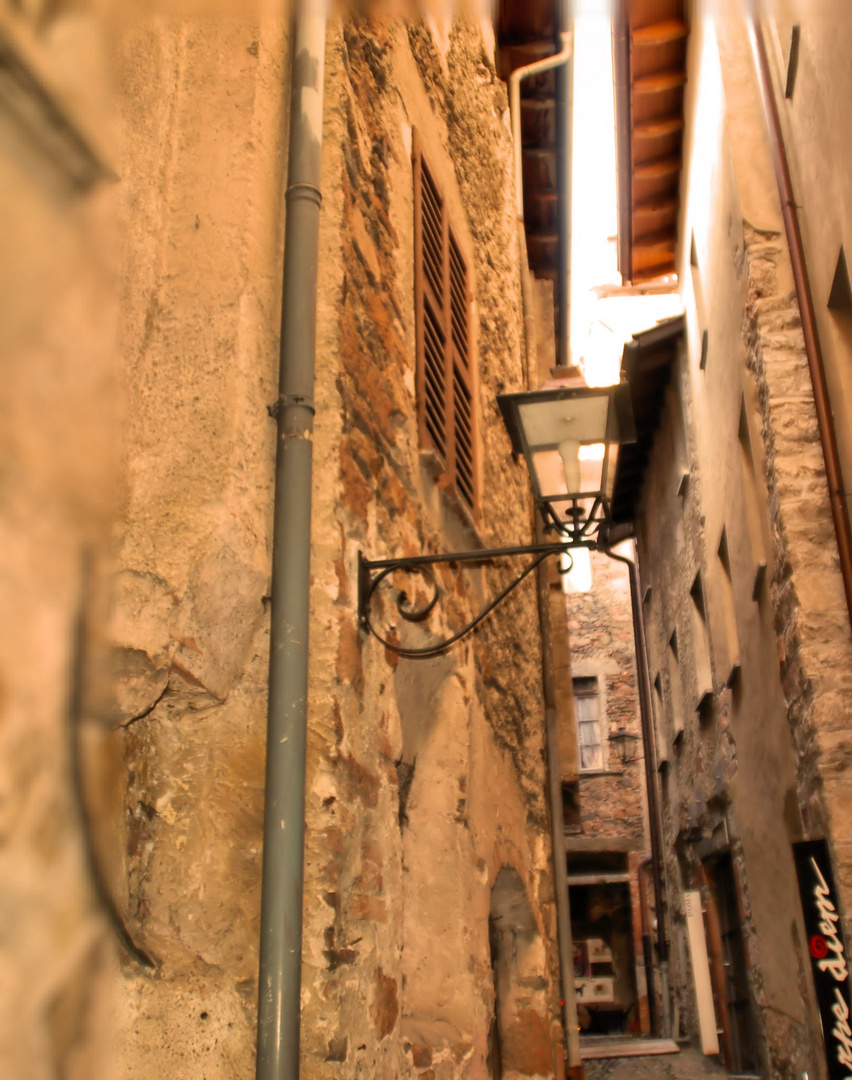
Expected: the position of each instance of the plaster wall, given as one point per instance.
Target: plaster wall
(59, 423)
(425, 779)
(819, 164)
(201, 128)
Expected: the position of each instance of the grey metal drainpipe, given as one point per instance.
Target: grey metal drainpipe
(279, 987)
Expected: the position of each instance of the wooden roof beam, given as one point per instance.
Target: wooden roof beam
(656, 208)
(655, 170)
(661, 242)
(658, 129)
(660, 82)
(661, 33)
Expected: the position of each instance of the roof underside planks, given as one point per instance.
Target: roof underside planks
(527, 31)
(649, 62)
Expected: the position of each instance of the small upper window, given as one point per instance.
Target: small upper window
(445, 399)
(588, 713)
(792, 60)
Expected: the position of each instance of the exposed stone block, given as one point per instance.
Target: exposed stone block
(526, 1045)
(385, 1006)
(421, 1056)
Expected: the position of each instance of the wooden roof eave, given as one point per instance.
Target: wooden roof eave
(647, 362)
(649, 73)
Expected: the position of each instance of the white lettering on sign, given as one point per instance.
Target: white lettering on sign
(836, 965)
(841, 1030)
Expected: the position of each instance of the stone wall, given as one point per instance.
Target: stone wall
(806, 591)
(434, 766)
(425, 779)
(609, 831)
(600, 622)
(811, 619)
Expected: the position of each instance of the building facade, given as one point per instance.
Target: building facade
(606, 827)
(742, 569)
(428, 905)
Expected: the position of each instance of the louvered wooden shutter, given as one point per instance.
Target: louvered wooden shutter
(447, 417)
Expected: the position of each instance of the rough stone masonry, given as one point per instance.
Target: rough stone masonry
(429, 919)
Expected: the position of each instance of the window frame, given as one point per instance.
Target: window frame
(592, 692)
(447, 415)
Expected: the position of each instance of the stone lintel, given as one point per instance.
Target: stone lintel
(612, 843)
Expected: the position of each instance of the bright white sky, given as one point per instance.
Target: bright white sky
(599, 328)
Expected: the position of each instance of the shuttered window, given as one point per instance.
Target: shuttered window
(445, 401)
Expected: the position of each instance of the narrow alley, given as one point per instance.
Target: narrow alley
(425, 541)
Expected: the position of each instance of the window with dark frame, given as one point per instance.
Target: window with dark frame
(588, 714)
(445, 399)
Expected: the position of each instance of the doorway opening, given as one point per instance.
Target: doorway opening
(602, 919)
(519, 1035)
(729, 968)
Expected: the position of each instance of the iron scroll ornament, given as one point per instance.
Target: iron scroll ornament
(371, 574)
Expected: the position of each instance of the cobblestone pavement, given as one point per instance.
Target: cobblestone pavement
(687, 1065)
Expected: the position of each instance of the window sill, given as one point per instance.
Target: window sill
(585, 774)
(433, 466)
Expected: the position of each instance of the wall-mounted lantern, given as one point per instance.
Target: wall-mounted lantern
(569, 434)
(625, 744)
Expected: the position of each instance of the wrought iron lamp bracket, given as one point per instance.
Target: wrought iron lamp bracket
(582, 523)
(372, 572)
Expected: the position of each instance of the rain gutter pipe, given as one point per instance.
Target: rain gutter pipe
(558, 59)
(822, 403)
(563, 914)
(646, 719)
(279, 988)
(535, 68)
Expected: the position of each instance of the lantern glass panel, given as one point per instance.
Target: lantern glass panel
(549, 423)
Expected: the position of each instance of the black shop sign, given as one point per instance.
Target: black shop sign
(828, 954)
